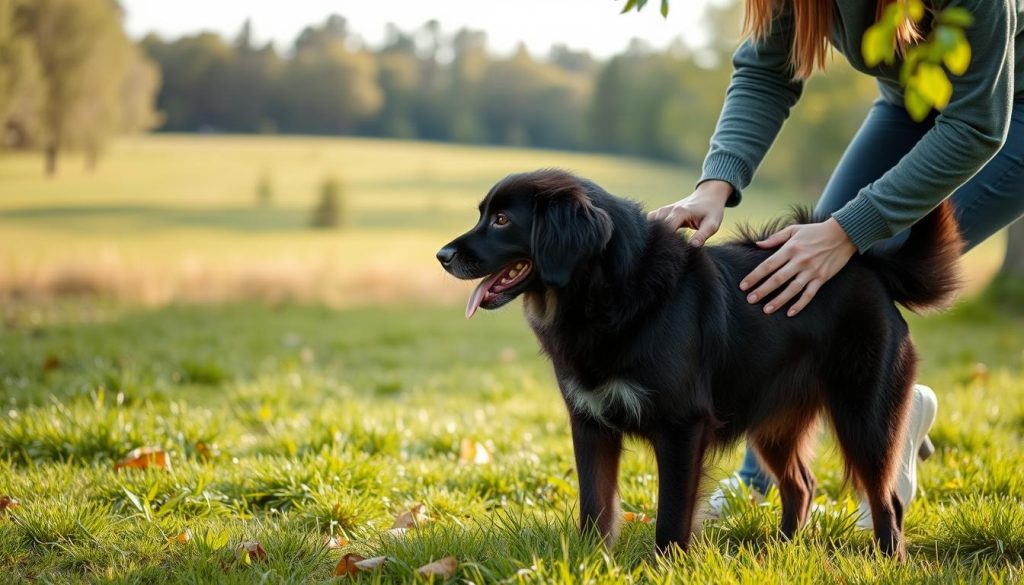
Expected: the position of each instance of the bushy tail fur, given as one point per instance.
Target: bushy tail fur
(924, 273)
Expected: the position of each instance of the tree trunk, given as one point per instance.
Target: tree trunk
(51, 160)
(1013, 264)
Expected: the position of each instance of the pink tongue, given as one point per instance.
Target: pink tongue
(479, 292)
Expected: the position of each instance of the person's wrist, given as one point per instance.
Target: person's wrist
(839, 233)
(716, 190)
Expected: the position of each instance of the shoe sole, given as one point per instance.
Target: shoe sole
(926, 449)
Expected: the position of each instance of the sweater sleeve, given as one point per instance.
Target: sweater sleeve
(760, 95)
(968, 132)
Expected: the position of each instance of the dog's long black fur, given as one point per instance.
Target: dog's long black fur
(652, 337)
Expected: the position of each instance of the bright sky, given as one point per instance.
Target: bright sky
(582, 24)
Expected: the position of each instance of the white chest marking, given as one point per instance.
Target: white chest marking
(623, 394)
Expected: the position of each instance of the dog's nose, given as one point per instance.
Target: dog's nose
(446, 255)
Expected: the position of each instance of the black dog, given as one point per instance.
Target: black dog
(652, 337)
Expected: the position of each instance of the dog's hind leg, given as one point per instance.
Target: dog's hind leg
(785, 452)
(869, 420)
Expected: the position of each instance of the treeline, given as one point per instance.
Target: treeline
(70, 78)
(433, 85)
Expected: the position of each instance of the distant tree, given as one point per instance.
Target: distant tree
(398, 75)
(21, 82)
(253, 78)
(525, 102)
(329, 211)
(469, 64)
(84, 57)
(331, 88)
(196, 94)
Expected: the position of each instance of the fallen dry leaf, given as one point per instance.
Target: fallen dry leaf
(347, 564)
(250, 550)
(144, 457)
(182, 537)
(411, 518)
(352, 563)
(334, 542)
(473, 452)
(444, 568)
(636, 517)
(8, 503)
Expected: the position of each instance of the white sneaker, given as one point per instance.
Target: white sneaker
(730, 492)
(916, 445)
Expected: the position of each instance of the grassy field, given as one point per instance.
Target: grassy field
(175, 218)
(317, 422)
(335, 384)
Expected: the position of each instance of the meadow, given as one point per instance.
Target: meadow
(309, 387)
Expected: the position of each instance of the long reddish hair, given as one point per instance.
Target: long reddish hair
(813, 30)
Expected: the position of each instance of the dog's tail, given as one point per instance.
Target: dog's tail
(923, 274)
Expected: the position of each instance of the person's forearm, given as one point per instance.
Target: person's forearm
(761, 93)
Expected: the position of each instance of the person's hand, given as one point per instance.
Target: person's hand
(703, 211)
(810, 255)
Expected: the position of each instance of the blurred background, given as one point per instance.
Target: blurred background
(322, 151)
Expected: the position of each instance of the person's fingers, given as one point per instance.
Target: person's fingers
(809, 291)
(771, 264)
(794, 287)
(773, 278)
(778, 238)
(708, 227)
(658, 213)
(680, 217)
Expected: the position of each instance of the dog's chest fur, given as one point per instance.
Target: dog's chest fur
(615, 403)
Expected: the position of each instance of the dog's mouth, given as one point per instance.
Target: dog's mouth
(499, 288)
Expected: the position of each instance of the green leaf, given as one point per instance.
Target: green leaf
(916, 105)
(933, 84)
(892, 16)
(873, 45)
(910, 61)
(640, 5)
(915, 10)
(959, 58)
(664, 8)
(956, 16)
(946, 36)
(629, 6)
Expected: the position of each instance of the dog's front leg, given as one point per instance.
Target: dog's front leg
(679, 449)
(598, 449)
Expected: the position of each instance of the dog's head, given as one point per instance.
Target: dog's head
(534, 230)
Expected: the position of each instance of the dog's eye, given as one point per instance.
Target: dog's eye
(500, 219)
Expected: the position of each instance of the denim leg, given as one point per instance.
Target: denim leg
(994, 198)
(752, 474)
(991, 200)
(988, 202)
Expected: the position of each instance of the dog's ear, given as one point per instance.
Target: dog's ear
(567, 229)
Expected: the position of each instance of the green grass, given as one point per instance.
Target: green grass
(326, 422)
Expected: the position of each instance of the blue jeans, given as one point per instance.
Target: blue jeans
(988, 202)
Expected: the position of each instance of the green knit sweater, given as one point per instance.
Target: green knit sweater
(968, 132)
